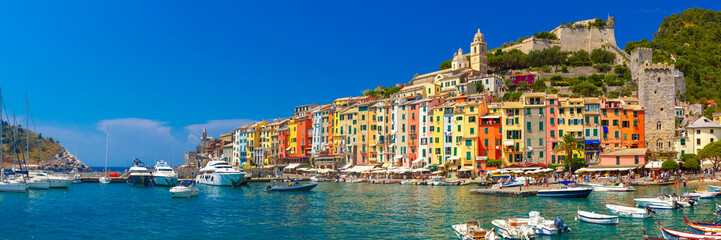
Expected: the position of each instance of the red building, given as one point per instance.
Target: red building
(489, 141)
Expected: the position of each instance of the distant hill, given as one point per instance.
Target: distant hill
(47, 153)
(694, 39)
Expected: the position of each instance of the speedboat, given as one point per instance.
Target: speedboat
(53, 180)
(508, 181)
(472, 230)
(675, 234)
(164, 175)
(513, 228)
(630, 212)
(184, 189)
(139, 174)
(293, 186)
(610, 188)
(569, 190)
(220, 173)
(542, 226)
(592, 217)
(706, 192)
(77, 178)
(657, 203)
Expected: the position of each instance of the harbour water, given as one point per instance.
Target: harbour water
(330, 211)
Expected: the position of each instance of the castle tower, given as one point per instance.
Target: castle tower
(656, 88)
(459, 61)
(479, 53)
(205, 134)
(638, 57)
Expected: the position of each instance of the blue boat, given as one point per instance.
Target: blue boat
(293, 186)
(570, 189)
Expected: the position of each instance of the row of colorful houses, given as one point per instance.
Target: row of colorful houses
(466, 132)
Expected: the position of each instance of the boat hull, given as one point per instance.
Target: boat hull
(165, 181)
(675, 234)
(655, 204)
(60, 183)
(13, 187)
(605, 219)
(42, 185)
(104, 180)
(184, 192)
(305, 187)
(561, 193)
(139, 180)
(221, 179)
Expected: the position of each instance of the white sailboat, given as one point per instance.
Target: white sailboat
(7, 185)
(105, 179)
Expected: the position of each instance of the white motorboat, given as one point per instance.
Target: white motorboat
(316, 179)
(592, 217)
(358, 180)
(610, 188)
(542, 226)
(657, 203)
(700, 195)
(570, 189)
(184, 189)
(472, 230)
(630, 212)
(508, 181)
(513, 228)
(54, 180)
(164, 175)
(220, 173)
(139, 174)
(41, 183)
(13, 186)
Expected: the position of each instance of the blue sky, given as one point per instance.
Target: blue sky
(158, 72)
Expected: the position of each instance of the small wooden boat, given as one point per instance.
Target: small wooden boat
(702, 228)
(513, 228)
(646, 237)
(184, 189)
(592, 217)
(629, 212)
(293, 186)
(472, 230)
(675, 234)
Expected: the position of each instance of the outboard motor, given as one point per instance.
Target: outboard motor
(649, 210)
(561, 226)
(676, 204)
(691, 202)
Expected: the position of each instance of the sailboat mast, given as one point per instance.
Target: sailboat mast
(27, 133)
(107, 139)
(2, 128)
(15, 151)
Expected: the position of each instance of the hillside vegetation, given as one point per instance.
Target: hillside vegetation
(50, 147)
(694, 39)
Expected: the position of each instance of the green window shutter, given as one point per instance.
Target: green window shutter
(468, 143)
(615, 134)
(540, 126)
(485, 141)
(540, 154)
(635, 159)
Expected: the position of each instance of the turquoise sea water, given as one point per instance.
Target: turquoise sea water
(330, 211)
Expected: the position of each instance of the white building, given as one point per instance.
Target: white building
(699, 133)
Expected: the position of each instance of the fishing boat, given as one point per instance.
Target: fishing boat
(610, 188)
(570, 189)
(630, 212)
(592, 217)
(293, 186)
(702, 228)
(472, 230)
(220, 173)
(139, 174)
(513, 228)
(675, 234)
(184, 189)
(164, 175)
(105, 179)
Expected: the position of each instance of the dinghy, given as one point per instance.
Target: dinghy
(675, 234)
(592, 217)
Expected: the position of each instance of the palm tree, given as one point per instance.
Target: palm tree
(567, 144)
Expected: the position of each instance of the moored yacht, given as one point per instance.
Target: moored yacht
(54, 181)
(164, 175)
(139, 174)
(12, 186)
(220, 173)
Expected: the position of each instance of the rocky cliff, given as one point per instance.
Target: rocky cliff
(47, 153)
(63, 161)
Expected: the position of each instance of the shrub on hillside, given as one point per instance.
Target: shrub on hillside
(602, 67)
(602, 56)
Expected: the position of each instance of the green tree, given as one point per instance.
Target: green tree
(579, 58)
(568, 145)
(689, 161)
(479, 87)
(539, 85)
(711, 151)
(445, 65)
(545, 34)
(669, 164)
(613, 94)
(390, 91)
(585, 89)
(602, 67)
(602, 56)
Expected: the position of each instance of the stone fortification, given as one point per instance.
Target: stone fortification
(657, 83)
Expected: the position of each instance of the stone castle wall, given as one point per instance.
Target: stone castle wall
(655, 84)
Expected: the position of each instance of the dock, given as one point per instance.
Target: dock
(125, 179)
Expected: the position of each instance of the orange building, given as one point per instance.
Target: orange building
(632, 127)
(490, 135)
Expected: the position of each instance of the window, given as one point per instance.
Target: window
(588, 132)
(615, 134)
(540, 111)
(459, 128)
(540, 154)
(683, 142)
(595, 132)
(552, 121)
(485, 130)
(468, 143)
(485, 142)
(529, 155)
(658, 125)
(615, 111)
(553, 109)
(635, 123)
(540, 141)
(635, 159)
(553, 159)
(528, 142)
(528, 126)
(552, 133)
(540, 126)
(618, 160)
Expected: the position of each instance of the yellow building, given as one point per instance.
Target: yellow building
(438, 138)
(570, 121)
(420, 89)
(465, 131)
(512, 132)
(253, 140)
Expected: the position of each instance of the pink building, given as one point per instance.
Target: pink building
(528, 78)
(629, 157)
(552, 129)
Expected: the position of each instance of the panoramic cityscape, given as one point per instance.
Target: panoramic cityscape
(573, 130)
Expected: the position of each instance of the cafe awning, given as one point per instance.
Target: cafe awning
(398, 157)
(465, 169)
(385, 165)
(454, 158)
